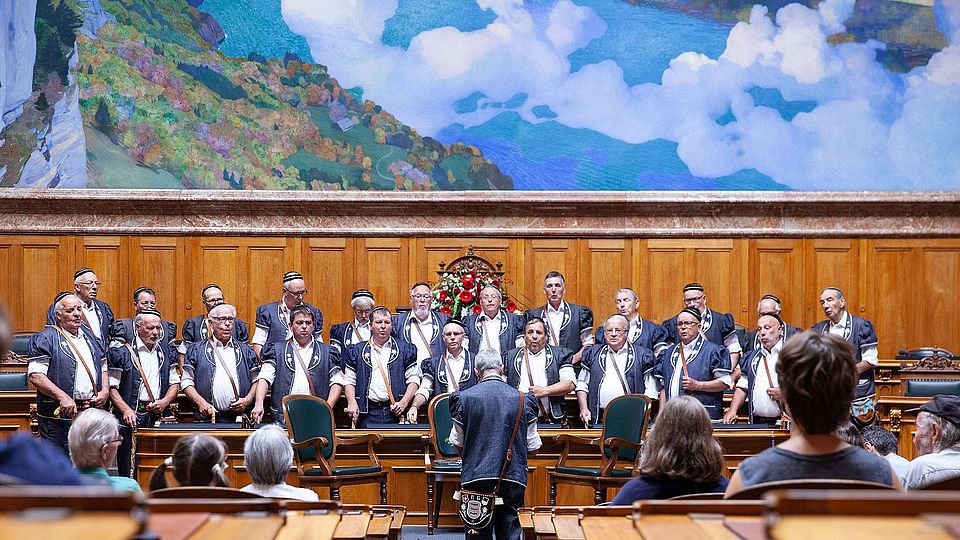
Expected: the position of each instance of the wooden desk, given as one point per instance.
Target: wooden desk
(176, 525)
(301, 526)
(857, 528)
(56, 524)
(231, 527)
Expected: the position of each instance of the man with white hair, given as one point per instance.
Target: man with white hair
(124, 330)
(493, 328)
(267, 455)
(613, 369)
(273, 319)
(68, 369)
(199, 328)
(769, 304)
(642, 333)
(421, 327)
(343, 335)
(218, 374)
(937, 441)
(93, 440)
(143, 380)
(96, 315)
(450, 371)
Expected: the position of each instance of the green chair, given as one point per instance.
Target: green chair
(12, 382)
(310, 427)
(446, 467)
(624, 427)
(932, 387)
(21, 343)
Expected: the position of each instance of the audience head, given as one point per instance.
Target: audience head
(362, 303)
(938, 424)
(848, 433)
(197, 460)
(818, 377)
(682, 445)
(535, 334)
(488, 362)
(267, 455)
(879, 440)
(627, 303)
(94, 438)
(554, 286)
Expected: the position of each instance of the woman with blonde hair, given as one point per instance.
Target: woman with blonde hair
(680, 456)
(197, 460)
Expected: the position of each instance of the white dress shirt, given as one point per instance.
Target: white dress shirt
(867, 354)
(423, 348)
(610, 386)
(268, 371)
(762, 404)
(454, 367)
(91, 314)
(82, 386)
(150, 363)
(223, 394)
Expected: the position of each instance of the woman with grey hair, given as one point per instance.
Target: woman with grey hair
(267, 454)
(93, 439)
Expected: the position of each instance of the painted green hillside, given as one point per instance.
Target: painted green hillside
(162, 108)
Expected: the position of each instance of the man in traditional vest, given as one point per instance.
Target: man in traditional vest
(199, 328)
(124, 330)
(381, 375)
(301, 365)
(613, 369)
(642, 333)
(758, 384)
(218, 373)
(67, 367)
(273, 319)
(421, 326)
(345, 334)
(96, 315)
(450, 371)
(719, 328)
(769, 304)
(542, 370)
(143, 380)
(694, 366)
(568, 325)
(493, 328)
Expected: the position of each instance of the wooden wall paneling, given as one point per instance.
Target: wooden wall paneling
(267, 260)
(776, 267)
(46, 264)
(160, 262)
(604, 266)
(893, 300)
(717, 265)
(546, 255)
(108, 256)
(383, 268)
(830, 262)
(222, 261)
(330, 265)
(941, 290)
(666, 275)
(12, 284)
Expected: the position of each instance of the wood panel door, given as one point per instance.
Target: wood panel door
(714, 263)
(604, 267)
(108, 257)
(776, 267)
(830, 263)
(937, 318)
(542, 256)
(37, 268)
(383, 268)
(330, 265)
(161, 263)
(894, 295)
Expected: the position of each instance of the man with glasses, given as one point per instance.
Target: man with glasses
(218, 374)
(273, 319)
(143, 380)
(421, 327)
(124, 330)
(93, 442)
(613, 369)
(568, 325)
(450, 371)
(694, 366)
(68, 369)
(198, 328)
(494, 328)
(760, 388)
(343, 335)
(96, 315)
(718, 328)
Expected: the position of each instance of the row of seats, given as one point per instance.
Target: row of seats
(187, 513)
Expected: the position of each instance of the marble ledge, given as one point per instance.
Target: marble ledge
(504, 214)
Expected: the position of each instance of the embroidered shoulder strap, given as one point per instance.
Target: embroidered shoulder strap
(76, 351)
(143, 376)
(303, 365)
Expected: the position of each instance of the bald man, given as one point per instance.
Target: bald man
(759, 387)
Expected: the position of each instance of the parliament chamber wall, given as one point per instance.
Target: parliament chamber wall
(909, 288)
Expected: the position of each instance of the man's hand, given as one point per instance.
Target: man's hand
(256, 415)
(730, 417)
(691, 385)
(585, 416)
(397, 408)
(775, 394)
(100, 398)
(412, 415)
(241, 404)
(353, 410)
(157, 406)
(206, 409)
(538, 391)
(68, 406)
(130, 417)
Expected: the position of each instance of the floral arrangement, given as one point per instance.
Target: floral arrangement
(457, 294)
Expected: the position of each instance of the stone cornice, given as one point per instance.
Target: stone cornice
(488, 213)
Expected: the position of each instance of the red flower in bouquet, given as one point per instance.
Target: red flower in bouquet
(446, 310)
(443, 295)
(477, 309)
(496, 283)
(467, 281)
(448, 301)
(466, 297)
(511, 306)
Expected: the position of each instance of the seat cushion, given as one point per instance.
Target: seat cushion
(344, 471)
(590, 471)
(445, 467)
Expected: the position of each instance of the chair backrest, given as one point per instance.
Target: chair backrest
(886, 502)
(929, 388)
(698, 497)
(757, 491)
(676, 507)
(214, 506)
(202, 492)
(13, 381)
(626, 417)
(950, 484)
(21, 343)
(91, 498)
(441, 422)
(307, 417)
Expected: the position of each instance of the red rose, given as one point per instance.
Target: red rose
(477, 309)
(446, 310)
(466, 297)
(467, 281)
(443, 295)
(456, 291)
(511, 306)
(448, 301)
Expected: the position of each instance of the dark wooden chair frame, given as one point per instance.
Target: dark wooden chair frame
(334, 481)
(757, 491)
(605, 480)
(435, 479)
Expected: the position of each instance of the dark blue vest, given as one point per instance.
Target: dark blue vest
(651, 335)
(406, 333)
(751, 372)
(201, 358)
(435, 369)
(712, 361)
(62, 370)
(576, 319)
(271, 320)
(511, 326)
(118, 358)
(861, 335)
(195, 329)
(557, 357)
(342, 336)
(639, 362)
(402, 357)
(321, 367)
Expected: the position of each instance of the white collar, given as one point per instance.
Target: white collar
(140, 345)
(461, 357)
(309, 344)
(560, 308)
(358, 324)
(483, 316)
